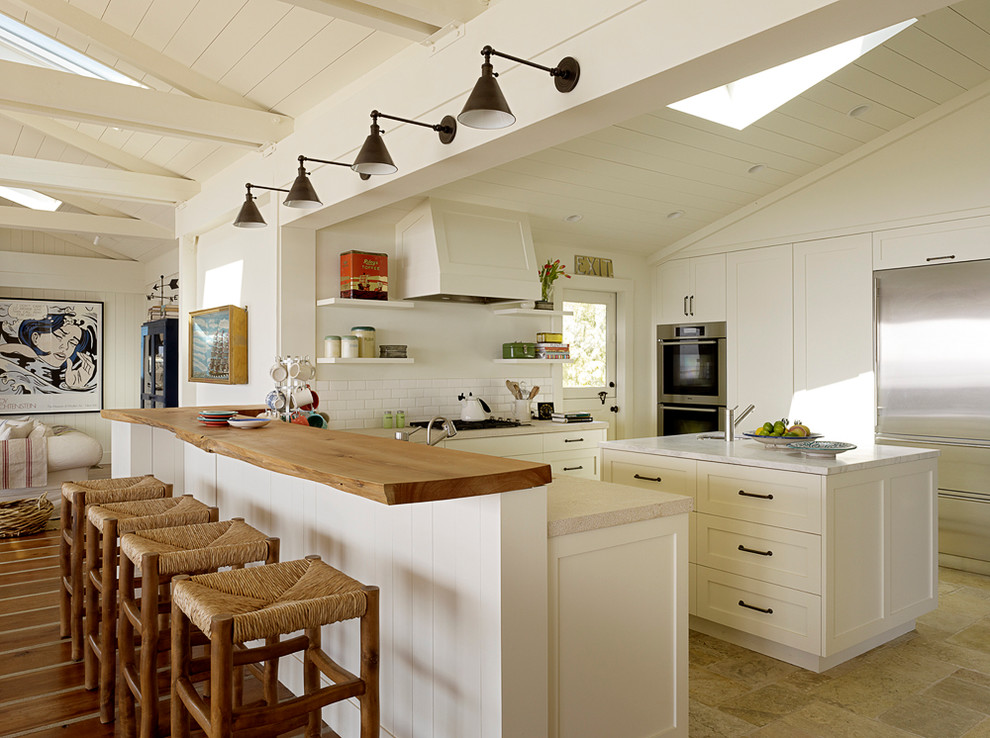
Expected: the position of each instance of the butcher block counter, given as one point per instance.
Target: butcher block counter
(380, 469)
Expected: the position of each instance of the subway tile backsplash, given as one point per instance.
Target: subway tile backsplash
(360, 403)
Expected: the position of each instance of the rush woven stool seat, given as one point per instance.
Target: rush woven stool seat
(266, 602)
(76, 496)
(158, 555)
(103, 526)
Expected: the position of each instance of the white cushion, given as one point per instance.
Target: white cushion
(15, 428)
(71, 449)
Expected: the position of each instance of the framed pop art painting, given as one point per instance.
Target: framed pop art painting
(51, 356)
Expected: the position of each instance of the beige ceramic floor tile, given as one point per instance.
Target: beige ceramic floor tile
(708, 722)
(973, 676)
(932, 718)
(942, 623)
(969, 579)
(718, 649)
(821, 719)
(765, 705)
(966, 601)
(976, 636)
(754, 669)
(962, 692)
(780, 729)
(982, 730)
(950, 653)
(871, 690)
(710, 688)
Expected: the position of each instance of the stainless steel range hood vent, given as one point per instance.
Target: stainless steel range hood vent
(456, 252)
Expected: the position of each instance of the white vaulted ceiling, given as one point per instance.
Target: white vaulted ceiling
(247, 57)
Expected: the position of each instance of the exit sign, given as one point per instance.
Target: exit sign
(593, 266)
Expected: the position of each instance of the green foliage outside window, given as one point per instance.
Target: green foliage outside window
(585, 331)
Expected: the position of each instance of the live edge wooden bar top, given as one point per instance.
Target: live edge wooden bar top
(380, 469)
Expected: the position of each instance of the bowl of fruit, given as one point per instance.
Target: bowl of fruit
(778, 434)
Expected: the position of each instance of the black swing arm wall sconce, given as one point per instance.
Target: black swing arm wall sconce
(373, 158)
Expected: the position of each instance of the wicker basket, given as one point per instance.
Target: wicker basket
(24, 517)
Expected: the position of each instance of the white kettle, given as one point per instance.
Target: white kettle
(473, 408)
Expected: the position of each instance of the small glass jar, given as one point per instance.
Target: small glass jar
(387, 419)
(332, 347)
(349, 347)
(400, 418)
(366, 335)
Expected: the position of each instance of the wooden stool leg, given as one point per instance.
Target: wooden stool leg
(221, 674)
(148, 678)
(65, 568)
(89, 636)
(77, 567)
(270, 674)
(180, 672)
(370, 705)
(311, 679)
(125, 650)
(108, 624)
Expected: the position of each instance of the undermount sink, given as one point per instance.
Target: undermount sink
(716, 436)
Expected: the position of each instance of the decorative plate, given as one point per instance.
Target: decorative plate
(779, 442)
(245, 421)
(825, 449)
(213, 423)
(218, 414)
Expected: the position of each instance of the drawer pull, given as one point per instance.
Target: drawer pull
(941, 258)
(572, 468)
(754, 551)
(750, 494)
(647, 479)
(768, 611)
(573, 440)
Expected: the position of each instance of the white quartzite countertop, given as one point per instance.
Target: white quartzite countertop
(535, 426)
(746, 452)
(575, 505)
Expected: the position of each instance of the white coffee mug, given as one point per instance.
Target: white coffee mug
(302, 396)
(278, 372)
(304, 370)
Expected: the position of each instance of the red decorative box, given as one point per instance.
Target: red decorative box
(364, 275)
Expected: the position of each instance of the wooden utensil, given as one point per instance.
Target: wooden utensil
(513, 388)
(533, 392)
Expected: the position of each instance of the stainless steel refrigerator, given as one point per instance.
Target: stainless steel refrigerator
(933, 390)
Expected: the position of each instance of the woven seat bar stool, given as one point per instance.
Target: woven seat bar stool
(159, 554)
(104, 525)
(234, 607)
(76, 496)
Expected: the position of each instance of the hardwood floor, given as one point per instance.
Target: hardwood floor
(41, 692)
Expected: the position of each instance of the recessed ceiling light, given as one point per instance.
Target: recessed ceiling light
(858, 111)
(674, 215)
(756, 168)
(574, 218)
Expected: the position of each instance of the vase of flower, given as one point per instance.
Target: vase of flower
(549, 273)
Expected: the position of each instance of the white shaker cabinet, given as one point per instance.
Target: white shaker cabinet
(691, 290)
(569, 451)
(759, 324)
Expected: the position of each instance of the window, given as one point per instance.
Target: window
(590, 331)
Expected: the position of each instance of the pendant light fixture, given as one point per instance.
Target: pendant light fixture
(302, 194)
(249, 215)
(374, 157)
(486, 106)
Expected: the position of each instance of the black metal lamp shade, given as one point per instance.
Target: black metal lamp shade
(374, 157)
(302, 194)
(249, 215)
(486, 107)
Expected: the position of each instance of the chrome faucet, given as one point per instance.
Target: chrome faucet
(744, 413)
(731, 421)
(449, 431)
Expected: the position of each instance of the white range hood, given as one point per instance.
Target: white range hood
(465, 253)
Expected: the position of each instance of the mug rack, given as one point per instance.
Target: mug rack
(291, 375)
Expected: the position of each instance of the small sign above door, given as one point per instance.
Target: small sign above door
(593, 266)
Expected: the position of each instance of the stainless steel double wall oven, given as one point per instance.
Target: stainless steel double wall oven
(691, 376)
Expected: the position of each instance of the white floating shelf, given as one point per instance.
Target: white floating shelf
(341, 360)
(533, 361)
(351, 302)
(531, 311)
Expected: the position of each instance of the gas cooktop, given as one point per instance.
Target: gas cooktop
(462, 425)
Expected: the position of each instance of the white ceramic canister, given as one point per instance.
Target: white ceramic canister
(331, 347)
(349, 347)
(366, 335)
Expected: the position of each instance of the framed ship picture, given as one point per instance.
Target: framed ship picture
(218, 345)
(51, 356)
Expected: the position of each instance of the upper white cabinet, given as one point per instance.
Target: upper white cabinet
(759, 323)
(833, 337)
(692, 289)
(937, 243)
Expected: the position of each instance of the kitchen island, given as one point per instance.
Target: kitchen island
(809, 560)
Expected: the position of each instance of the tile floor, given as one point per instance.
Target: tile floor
(932, 682)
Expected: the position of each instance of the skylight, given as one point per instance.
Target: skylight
(47, 52)
(29, 199)
(746, 100)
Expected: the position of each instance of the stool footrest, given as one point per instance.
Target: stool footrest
(296, 706)
(337, 673)
(269, 652)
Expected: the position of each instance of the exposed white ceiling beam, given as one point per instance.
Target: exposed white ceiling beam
(88, 204)
(365, 14)
(47, 272)
(27, 219)
(44, 174)
(69, 135)
(96, 248)
(62, 95)
(136, 53)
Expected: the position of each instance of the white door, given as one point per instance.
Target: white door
(589, 380)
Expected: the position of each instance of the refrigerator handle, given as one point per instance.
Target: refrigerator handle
(876, 353)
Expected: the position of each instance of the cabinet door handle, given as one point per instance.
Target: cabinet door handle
(572, 468)
(754, 551)
(750, 494)
(768, 610)
(692, 305)
(941, 258)
(572, 440)
(647, 479)
(685, 304)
